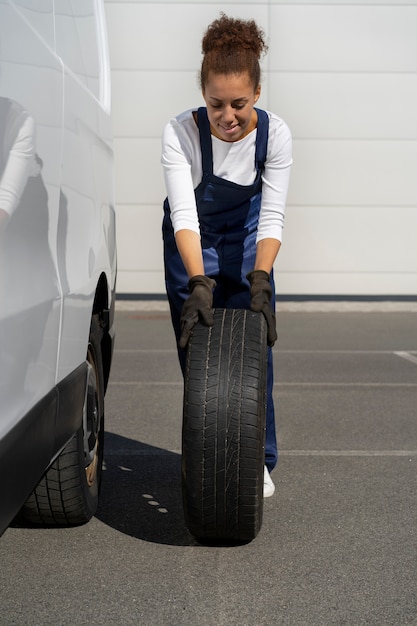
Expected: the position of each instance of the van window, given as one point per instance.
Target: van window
(80, 21)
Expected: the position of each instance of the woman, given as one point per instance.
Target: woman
(226, 169)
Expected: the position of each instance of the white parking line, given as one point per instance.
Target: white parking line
(407, 356)
(159, 383)
(342, 384)
(277, 352)
(336, 306)
(342, 453)
(144, 383)
(347, 452)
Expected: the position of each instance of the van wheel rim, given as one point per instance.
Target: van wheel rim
(91, 420)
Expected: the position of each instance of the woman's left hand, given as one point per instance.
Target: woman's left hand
(261, 293)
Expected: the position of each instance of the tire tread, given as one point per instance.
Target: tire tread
(224, 426)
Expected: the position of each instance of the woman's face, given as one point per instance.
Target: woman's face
(230, 100)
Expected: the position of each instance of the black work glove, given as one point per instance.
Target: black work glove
(261, 292)
(198, 306)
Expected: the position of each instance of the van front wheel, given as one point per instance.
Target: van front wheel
(68, 492)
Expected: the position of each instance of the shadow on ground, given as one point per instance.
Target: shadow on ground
(141, 492)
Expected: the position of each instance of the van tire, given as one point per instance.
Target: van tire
(68, 492)
(223, 438)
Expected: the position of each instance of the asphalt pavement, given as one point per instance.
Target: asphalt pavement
(338, 544)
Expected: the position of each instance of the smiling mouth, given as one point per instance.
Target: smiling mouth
(229, 129)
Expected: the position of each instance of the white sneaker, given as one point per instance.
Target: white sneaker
(269, 486)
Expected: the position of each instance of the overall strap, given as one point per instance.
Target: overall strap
(261, 139)
(205, 141)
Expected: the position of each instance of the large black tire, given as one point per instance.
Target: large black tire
(68, 492)
(223, 441)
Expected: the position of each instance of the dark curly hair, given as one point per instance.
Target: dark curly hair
(232, 46)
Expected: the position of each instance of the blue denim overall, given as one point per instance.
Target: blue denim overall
(228, 215)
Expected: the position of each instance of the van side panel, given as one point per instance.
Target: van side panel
(31, 93)
(57, 230)
(40, 15)
(87, 178)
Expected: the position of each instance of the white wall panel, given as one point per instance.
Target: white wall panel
(140, 281)
(228, 5)
(336, 284)
(137, 222)
(346, 105)
(341, 2)
(140, 267)
(157, 36)
(357, 239)
(144, 101)
(373, 173)
(343, 38)
(138, 171)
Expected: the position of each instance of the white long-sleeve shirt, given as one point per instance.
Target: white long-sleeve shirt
(234, 161)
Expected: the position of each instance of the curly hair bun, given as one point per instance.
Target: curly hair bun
(227, 34)
(232, 46)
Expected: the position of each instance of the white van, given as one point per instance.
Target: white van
(57, 257)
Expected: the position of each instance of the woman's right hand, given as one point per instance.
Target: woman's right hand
(198, 306)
